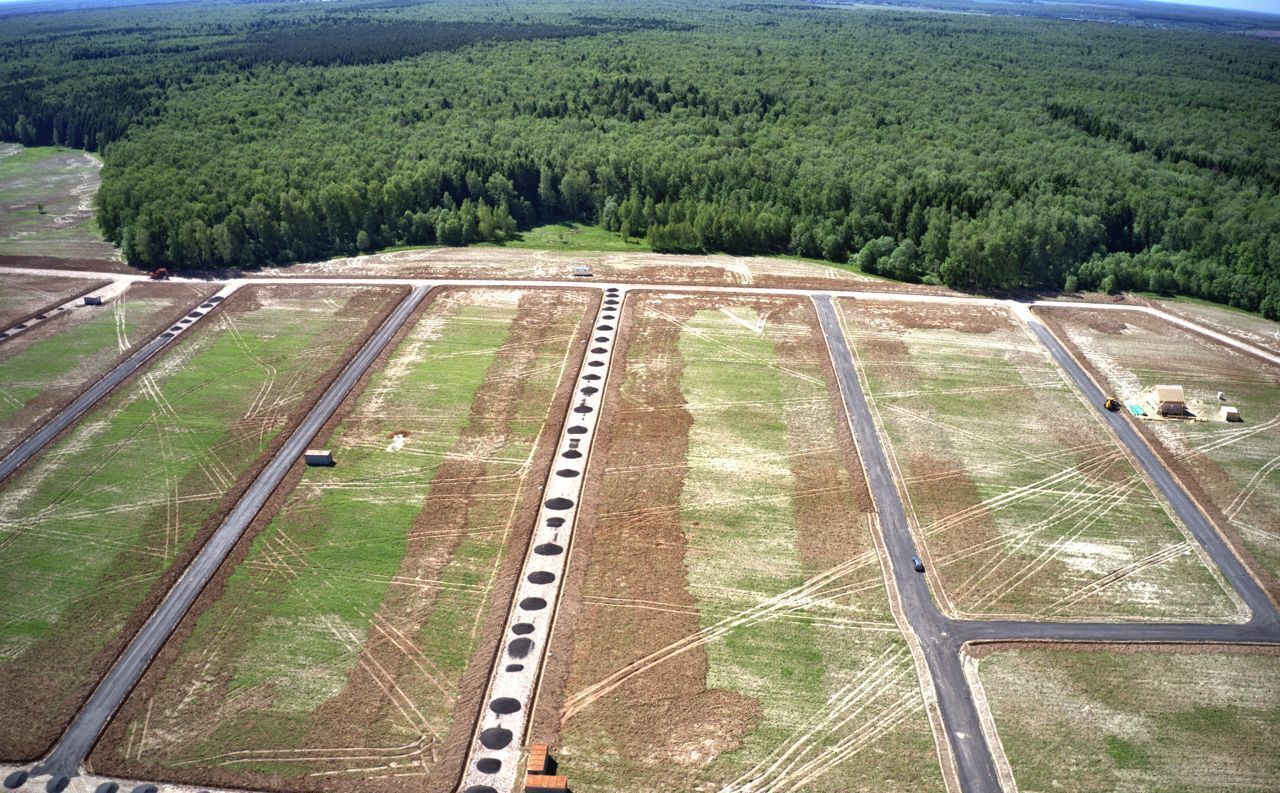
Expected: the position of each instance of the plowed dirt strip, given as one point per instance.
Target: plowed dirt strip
(1088, 720)
(334, 657)
(733, 631)
(46, 367)
(1024, 503)
(1233, 469)
(94, 529)
(23, 295)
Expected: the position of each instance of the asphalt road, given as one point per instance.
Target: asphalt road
(38, 439)
(78, 740)
(942, 638)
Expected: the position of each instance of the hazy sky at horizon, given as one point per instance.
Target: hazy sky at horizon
(1269, 6)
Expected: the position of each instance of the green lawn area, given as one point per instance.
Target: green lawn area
(56, 361)
(365, 593)
(1146, 721)
(21, 295)
(95, 520)
(1026, 505)
(800, 636)
(575, 237)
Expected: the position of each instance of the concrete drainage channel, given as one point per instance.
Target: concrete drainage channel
(496, 747)
(50, 430)
(96, 297)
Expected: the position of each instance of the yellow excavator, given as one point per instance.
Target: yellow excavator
(1112, 404)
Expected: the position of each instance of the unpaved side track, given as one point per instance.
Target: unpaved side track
(497, 746)
(76, 742)
(54, 427)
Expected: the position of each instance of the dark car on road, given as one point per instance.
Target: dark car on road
(917, 564)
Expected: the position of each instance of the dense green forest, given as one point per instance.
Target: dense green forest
(979, 152)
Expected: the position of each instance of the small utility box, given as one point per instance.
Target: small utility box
(1229, 413)
(318, 457)
(582, 271)
(93, 300)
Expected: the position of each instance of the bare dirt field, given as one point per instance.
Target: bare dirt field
(46, 367)
(633, 267)
(348, 648)
(1245, 326)
(21, 296)
(46, 203)
(141, 480)
(1152, 720)
(1232, 469)
(725, 624)
(1025, 504)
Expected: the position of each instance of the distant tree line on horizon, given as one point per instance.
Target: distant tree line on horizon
(977, 153)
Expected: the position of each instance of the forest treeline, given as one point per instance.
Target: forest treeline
(982, 153)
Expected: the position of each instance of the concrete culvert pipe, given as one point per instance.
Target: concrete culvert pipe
(558, 502)
(541, 577)
(495, 738)
(15, 780)
(522, 628)
(548, 549)
(107, 787)
(533, 604)
(57, 784)
(488, 765)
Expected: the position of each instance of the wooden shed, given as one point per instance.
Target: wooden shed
(1168, 400)
(318, 457)
(1229, 413)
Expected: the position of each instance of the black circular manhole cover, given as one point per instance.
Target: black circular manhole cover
(495, 738)
(515, 667)
(591, 377)
(548, 549)
(589, 390)
(602, 338)
(566, 472)
(541, 577)
(596, 363)
(577, 430)
(522, 628)
(176, 328)
(488, 765)
(206, 305)
(572, 454)
(518, 648)
(479, 789)
(15, 780)
(168, 334)
(504, 706)
(19, 327)
(217, 299)
(558, 503)
(609, 316)
(611, 302)
(604, 327)
(555, 523)
(107, 787)
(583, 409)
(533, 604)
(145, 789)
(42, 316)
(196, 314)
(57, 784)
(599, 350)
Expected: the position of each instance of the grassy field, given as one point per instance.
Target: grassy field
(1026, 505)
(1237, 466)
(94, 523)
(1244, 325)
(734, 632)
(358, 609)
(46, 208)
(45, 367)
(1148, 721)
(22, 295)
